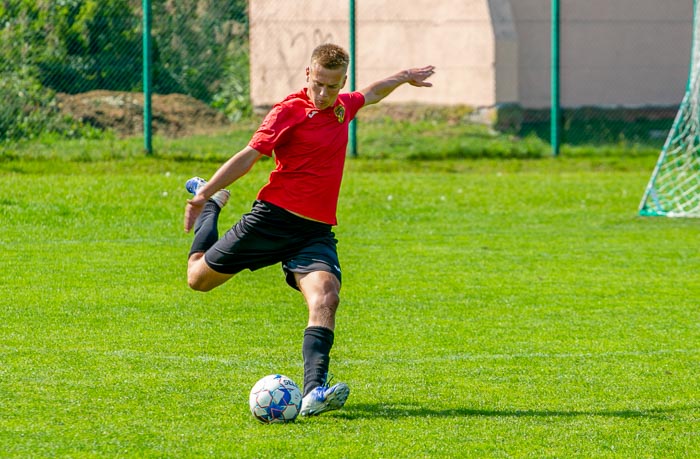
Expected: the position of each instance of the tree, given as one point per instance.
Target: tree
(194, 43)
(73, 45)
(98, 46)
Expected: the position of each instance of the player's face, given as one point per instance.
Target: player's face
(324, 85)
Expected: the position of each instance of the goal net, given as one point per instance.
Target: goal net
(674, 187)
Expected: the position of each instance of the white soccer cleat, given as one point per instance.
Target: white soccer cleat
(220, 197)
(324, 398)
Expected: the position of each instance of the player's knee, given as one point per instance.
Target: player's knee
(196, 283)
(329, 300)
(196, 274)
(196, 280)
(326, 302)
(334, 299)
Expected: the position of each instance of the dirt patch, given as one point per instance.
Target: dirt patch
(178, 115)
(173, 115)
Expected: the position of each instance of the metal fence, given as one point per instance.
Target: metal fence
(61, 58)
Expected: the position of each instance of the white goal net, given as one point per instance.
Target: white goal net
(674, 187)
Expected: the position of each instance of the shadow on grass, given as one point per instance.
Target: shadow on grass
(364, 411)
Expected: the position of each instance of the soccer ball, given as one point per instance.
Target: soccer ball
(275, 398)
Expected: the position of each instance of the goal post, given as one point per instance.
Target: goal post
(674, 187)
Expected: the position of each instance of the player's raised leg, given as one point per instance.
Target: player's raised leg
(199, 275)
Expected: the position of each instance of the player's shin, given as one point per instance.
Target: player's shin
(206, 231)
(316, 350)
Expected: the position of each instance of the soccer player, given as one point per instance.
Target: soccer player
(292, 218)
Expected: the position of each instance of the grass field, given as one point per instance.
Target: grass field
(515, 308)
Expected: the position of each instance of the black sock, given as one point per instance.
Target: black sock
(206, 231)
(316, 350)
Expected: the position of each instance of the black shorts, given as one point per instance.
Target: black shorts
(269, 234)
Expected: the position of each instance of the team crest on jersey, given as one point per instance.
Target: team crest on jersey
(339, 113)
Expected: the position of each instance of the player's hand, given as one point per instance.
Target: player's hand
(192, 210)
(417, 76)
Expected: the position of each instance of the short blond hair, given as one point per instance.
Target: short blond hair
(330, 56)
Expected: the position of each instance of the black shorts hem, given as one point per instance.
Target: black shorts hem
(315, 265)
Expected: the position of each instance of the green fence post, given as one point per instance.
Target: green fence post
(555, 108)
(353, 124)
(147, 73)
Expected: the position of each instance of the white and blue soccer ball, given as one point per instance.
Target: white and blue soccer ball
(275, 398)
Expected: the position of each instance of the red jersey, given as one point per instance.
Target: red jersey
(310, 149)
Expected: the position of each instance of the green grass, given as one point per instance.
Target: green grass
(417, 133)
(490, 308)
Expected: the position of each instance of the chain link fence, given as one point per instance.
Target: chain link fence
(75, 67)
(61, 59)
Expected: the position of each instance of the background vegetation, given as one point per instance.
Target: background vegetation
(72, 46)
(201, 50)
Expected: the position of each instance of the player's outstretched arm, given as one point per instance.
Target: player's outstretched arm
(229, 172)
(382, 88)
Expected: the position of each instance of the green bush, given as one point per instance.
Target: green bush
(29, 111)
(194, 48)
(73, 46)
(97, 46)
(233, 98)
